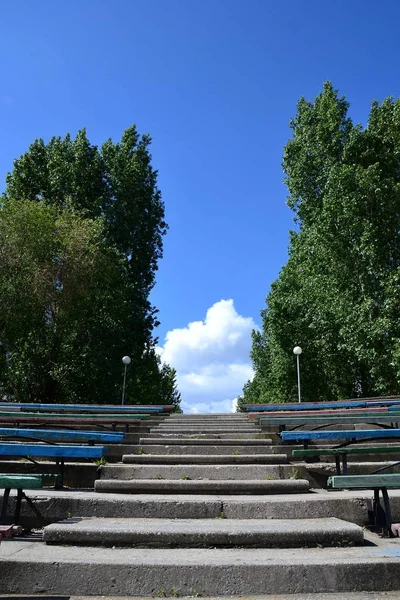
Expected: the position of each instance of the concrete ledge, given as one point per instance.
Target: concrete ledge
(202, 533)
(223, 449)
(137, 486)
(34, 568)
(202, 435)
(193, 471)
(205, 459)
(202, 442)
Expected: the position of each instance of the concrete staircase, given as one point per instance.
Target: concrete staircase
(204, 505)
(203, 472)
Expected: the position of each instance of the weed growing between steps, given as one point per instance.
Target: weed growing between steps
(176, 593)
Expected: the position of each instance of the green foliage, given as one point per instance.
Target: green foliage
(81, 235)
(338, 295)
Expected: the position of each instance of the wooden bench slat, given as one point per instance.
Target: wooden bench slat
(126, 408)
(51, 451)
(385, 418)
(346, 450)
(15, 482)
(62, 435)
(83, 417)
(389, 480)
(337, 435)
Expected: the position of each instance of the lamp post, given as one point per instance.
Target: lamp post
(297, 351)
(126, 361)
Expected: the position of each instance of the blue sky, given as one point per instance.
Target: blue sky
(215, 83)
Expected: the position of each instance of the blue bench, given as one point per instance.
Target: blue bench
(305, 406)
(76, 408)
(59, 453)
(362, 403)
(351, 436)
(62, 435)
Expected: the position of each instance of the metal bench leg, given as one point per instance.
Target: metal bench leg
(4, 506)
(338, 469)
(18, 506)
(388, 512)
(344, 463)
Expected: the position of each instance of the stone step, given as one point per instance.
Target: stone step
(165, 449)
(205, 459)
(191, 471)
(203, 430)
(199, 435)
(57, 505)
(180, 486)
(204, 442)
(202, 533)
(36, 568)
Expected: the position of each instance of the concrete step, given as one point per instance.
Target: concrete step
(191, 471)
(36, 568)
(198, 449)
(211, 436)
(181, 486)
(57, 505)
(205, 459)
(202, 533)
(203, 430)
(161, 441)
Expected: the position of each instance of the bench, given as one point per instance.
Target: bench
(60, 435)
(378, 483)
(89, 408)
(282, 422)
(20, 483)
(350, 436)
(59, 453)
(326, 413)
(342, 453)
(53, 419)
(300, 406)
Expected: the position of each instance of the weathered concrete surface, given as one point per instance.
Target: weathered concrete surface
(202, 449)
(316, 474)
(191, 471)
(205, 442)
(328, 596)
(59, 505)
(237, 435)
(187, 428)
(37, 568)
(137, 486)
(206, 459)
(201, 533)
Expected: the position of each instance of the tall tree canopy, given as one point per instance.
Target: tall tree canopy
(338, 296)
(89, 304)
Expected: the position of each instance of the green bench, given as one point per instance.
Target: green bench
(342, 453)
(20, 483)
(379, 517)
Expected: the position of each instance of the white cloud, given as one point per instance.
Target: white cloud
(211, 358)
